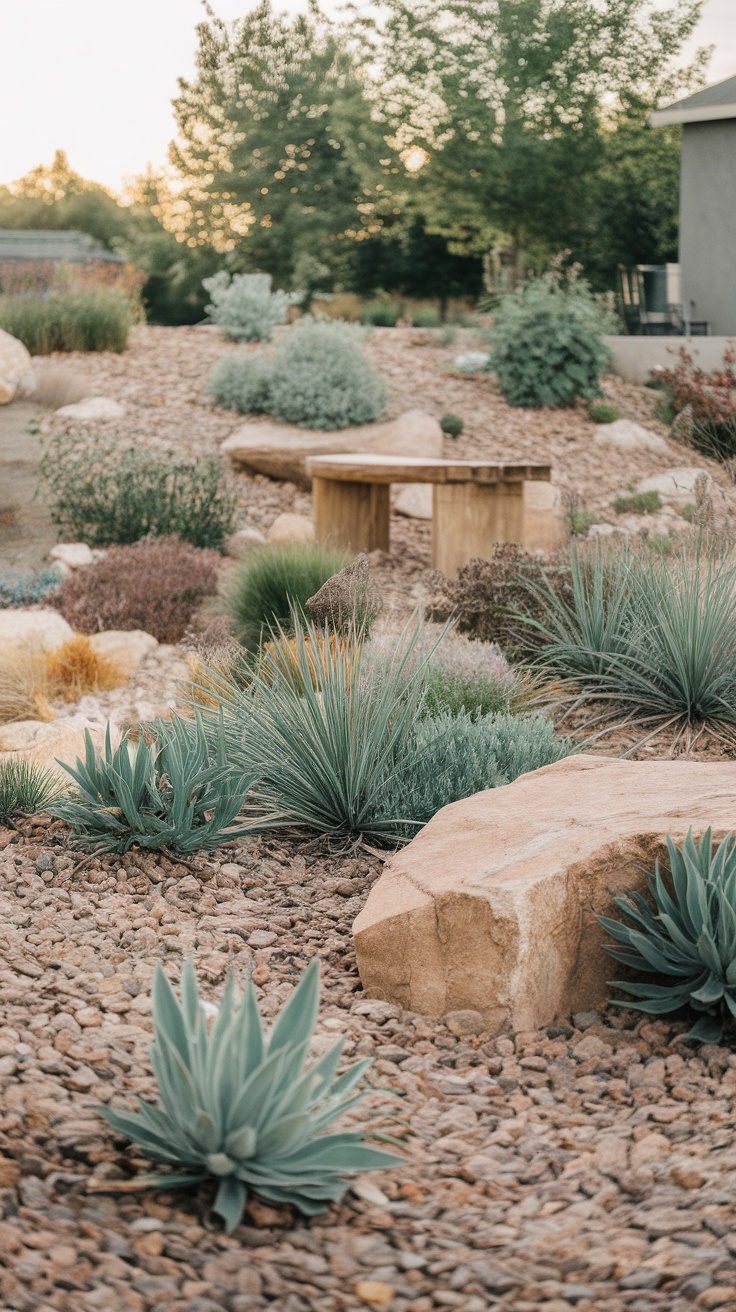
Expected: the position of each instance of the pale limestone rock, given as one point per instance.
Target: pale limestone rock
(15, 364)
(42, 629)
(74, 554)
(545, 528)
(493, 906)
(290, 527)
(243, 541)
(413, 500)
(675, 484)
(628, 436)
(125, 647)
(96, 409)
(47, 744)
(282, 450)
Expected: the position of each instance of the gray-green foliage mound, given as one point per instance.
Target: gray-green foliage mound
(318, 377)
(547, 343)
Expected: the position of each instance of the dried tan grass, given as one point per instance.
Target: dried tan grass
(53, 385)
(24, 686)
(76, 668)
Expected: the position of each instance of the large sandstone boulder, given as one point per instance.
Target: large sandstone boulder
(675, 484)
(493, 906)
(628, 436)
(47, 744)
(126, 648)
(282, 450)
(43, 629)
(15, 365)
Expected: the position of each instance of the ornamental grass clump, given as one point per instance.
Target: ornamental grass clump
(25, 789)
(649, 637)
(78, 320)
(684, 936)
(173, 790)
(240, 1107)
(75, 668)
(24, 686)
(318, 377)
(270, 589)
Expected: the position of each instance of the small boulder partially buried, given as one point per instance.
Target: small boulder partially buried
(494, 905)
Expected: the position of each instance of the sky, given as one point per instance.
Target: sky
(96, 77)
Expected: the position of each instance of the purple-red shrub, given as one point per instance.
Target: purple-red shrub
(156, 585)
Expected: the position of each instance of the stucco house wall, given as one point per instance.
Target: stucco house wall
(708, 223)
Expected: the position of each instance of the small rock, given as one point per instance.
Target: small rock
(43, 629)
(374, 1292)
(243, 541)
(582, 1020)
(262, 938)
(414, 500)
(716, 1296)
(76, 555)
(95, 409)
(291, 527)
(590, 1047)
(465, 1021)
(472, 362)
(628, 436)
(687, 1177)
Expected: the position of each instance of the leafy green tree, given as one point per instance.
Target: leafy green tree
(54, 196)
(514, 107)
(283, 162)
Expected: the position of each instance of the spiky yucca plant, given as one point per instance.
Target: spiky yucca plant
(238, 1105)
(688, 938)
(177, 791)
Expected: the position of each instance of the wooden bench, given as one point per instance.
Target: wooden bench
(475, 503)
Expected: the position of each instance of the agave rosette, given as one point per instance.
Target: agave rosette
(239, 1105)
(687, 937)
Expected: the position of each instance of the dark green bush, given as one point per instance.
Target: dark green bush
(685, 938)
(273, 584)
(547, 344)
(103, 494)
(382, 314)
(97, 320)
(451, 424)
(318, 377)
(426, 316)
(602, 412)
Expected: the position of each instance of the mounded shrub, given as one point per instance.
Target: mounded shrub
(75, 668)
(272, 586)
(155, 585)
(96, 320)
(547, 344)
(317, 378)
(27, 589)
(701, 406)
(244, 306)
(106, 495)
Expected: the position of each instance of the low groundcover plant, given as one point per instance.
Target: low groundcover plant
(686, 939)
(238, 1106)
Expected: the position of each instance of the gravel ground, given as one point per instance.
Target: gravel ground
(590, 1166)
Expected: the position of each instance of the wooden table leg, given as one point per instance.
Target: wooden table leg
(351, 515)
(469, 517)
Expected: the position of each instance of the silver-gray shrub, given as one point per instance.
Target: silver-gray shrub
(318, 377)
(244, 306)
(462, 675)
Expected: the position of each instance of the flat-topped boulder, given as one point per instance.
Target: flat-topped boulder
(282, 450)
(493, 907)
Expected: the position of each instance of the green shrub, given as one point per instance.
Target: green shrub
(27, 589)
(547, 345)
(655, 637)
(637, 503)
(25, 789)
(238, 1105)
(73, 321)
(426, 316)
(273, 584)
(166, 793)
(339, 750)
(105, 494)
(156, 585)
(317, 378)
(382, 314)
(686, 939)
(244, 306)
(580, 519)
(456, 756)
(451, 424)
(603, 412)
(462, 676)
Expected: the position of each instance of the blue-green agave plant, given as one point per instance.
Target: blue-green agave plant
(687, 939)
(238, 1105)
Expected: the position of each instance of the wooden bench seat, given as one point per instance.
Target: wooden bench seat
(475, 503)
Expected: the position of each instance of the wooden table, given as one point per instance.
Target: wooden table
(475, 503)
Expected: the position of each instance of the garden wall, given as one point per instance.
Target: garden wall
(635, 357)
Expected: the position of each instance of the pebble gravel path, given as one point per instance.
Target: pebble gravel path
(591, 1166)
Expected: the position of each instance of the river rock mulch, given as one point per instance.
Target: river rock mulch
(590, 1166)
